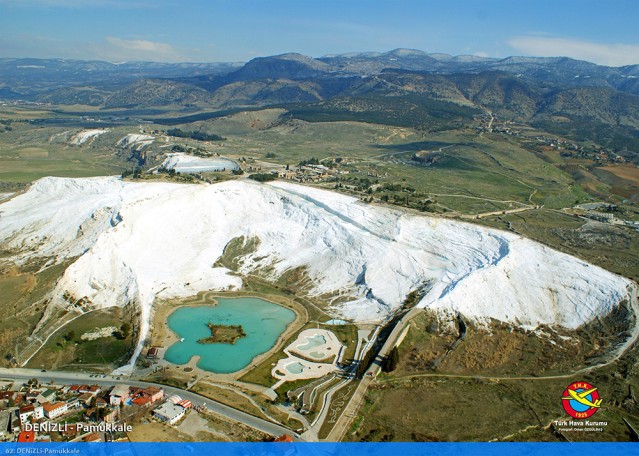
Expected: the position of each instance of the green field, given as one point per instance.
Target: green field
(28, 153)
(615, 248)
(471, 165)
(71, 353)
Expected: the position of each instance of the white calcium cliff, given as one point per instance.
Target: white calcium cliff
(136, 242)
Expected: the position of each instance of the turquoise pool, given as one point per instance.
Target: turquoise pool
(295, 368)
(312, 342)
(263, 322)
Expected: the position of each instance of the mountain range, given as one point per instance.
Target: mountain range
(562, 94)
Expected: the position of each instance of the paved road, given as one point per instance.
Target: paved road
(221, 409)
(350, 411)
(502, 212)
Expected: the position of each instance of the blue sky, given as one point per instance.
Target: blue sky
(234, 30)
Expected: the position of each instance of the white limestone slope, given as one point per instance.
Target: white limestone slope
(185, 163)
(142, 241)
(136, 141)
(86, 135)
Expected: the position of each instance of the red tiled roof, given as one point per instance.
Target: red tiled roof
(284, 438)
(95, 437)
(141, 400)
(27, 408)
(49, 407)
(26, 436)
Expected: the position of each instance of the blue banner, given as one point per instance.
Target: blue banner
(320, 449)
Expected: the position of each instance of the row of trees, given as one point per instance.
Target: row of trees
(197, 135)
(263, 177)
(389, 363)
(135, 174)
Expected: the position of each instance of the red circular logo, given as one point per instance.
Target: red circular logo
(581, 400)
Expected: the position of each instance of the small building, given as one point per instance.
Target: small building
(74, 389)
(30, 412)
(185, 404)
(154, 393)
(153, 353)
(92, 389)
(112, 415)
(284, 438)
(73, 402)
(18, 399)
(85, 399)
(169, 413)
(174, 399)
(118, 394)
(52, 411)
(141, 401)
(147, 396)
(7, 396)
(46, 396)
(26, 436)
(94, 437)
(101, 402)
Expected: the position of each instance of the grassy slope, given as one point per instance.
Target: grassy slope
(458, 405)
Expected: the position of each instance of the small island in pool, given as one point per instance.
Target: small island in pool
(223, 334)
(262, 321)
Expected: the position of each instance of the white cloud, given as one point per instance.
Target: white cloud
(112, 49)
(153, 47)
(617, 54)
(119, 49)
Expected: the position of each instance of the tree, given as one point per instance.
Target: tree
(197, 135)
(263, 177)
(391, 361)
(125, 329)
(69, 336)
(366, 362)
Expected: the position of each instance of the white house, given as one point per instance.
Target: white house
(169, 413)
(118, 394)
(31, 411)
(53, 411)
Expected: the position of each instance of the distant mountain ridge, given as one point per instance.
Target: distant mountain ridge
(36, 75)
(402, 87)
(31, 76)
